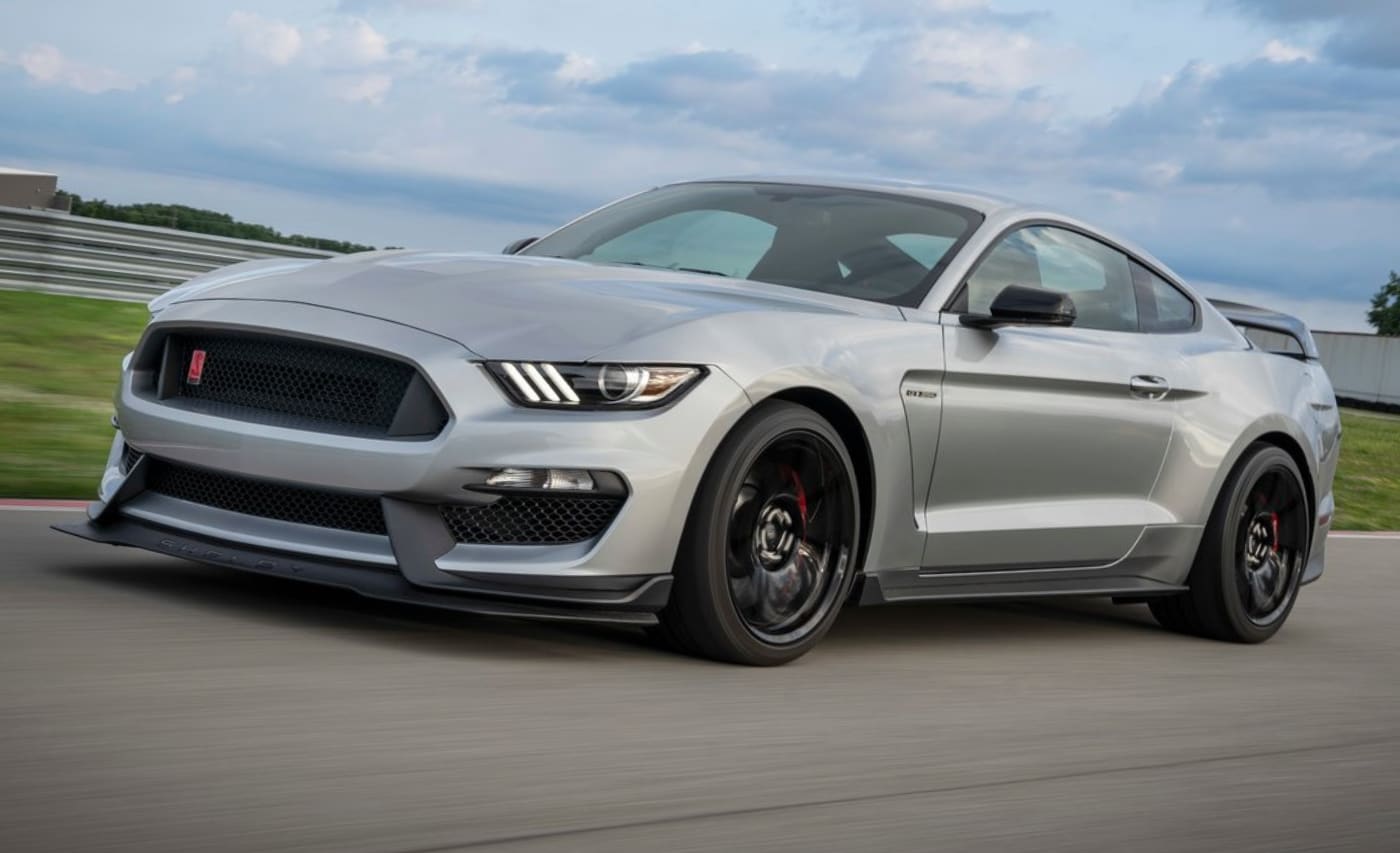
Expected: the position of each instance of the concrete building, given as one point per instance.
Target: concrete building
(25, 188)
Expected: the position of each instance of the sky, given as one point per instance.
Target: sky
(1252, 145)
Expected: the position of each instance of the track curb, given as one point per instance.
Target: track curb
(30, 504)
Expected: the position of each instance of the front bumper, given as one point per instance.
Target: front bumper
(660, 455)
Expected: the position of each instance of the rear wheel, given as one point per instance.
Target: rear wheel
(769, 550)
(1245, 578)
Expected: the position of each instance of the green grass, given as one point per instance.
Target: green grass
(60, 356)
(59, 361)
(1368, 476)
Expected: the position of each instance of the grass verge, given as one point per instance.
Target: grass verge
(1367, 487)
(60, 357)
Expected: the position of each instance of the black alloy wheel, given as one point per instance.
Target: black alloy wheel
(1245, 578)
(1270, 543)
(770, 549)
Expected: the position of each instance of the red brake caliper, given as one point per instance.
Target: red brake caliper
(1273, 519)
(801, 496)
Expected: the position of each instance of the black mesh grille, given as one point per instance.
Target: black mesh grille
(286, 382)
(265, 499)
(532, 519)
(129, 457)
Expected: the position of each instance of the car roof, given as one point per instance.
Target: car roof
(982, 202)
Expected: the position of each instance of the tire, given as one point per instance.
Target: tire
(769, 551)
(1245, 578)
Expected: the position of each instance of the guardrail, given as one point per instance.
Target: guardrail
(60, 253)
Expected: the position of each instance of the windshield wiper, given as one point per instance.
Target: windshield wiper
(699, 270)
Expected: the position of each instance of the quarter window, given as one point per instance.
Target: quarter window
(1161, 307)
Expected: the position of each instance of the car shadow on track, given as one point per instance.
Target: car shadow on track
(345, 614)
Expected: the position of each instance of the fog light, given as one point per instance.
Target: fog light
(563, 479)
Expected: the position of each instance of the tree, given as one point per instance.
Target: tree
(202, 221)
(1385, 308)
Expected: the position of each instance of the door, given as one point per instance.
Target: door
(1051, 437)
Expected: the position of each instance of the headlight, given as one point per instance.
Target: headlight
(551, 385)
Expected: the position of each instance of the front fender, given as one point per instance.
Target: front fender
(859, 359)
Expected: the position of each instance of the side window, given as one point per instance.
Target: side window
(1011, 262)
(719, 240)
(1098, 279)
(1161, 307)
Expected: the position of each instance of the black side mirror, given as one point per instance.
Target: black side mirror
(1025, 306)
(515, 246)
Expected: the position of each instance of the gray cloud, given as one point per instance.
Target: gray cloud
(1365, 32)
(901, 15)
(1298, 129)
(135, 130)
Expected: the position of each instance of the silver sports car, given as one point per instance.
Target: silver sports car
(725, 409)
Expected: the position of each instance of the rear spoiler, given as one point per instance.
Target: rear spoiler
(1251, 317)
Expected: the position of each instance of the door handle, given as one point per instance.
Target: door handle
(1149, 387)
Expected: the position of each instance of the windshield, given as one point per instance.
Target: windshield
(868, 245)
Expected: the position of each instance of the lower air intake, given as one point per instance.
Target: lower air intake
(335, 510)
(532, 519)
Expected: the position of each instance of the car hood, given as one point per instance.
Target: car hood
(512, 307)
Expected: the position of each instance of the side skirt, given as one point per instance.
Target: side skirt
(1157, 564)
(897, 585)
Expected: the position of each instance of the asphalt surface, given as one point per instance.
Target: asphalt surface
(148, 704)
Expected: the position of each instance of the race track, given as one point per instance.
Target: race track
(148, 704)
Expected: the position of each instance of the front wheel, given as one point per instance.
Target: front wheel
(1246, 575)
(769, 551)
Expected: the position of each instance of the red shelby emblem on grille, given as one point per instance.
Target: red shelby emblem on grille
(196, 371)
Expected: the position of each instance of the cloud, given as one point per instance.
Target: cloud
(926, 101)
(345, 58)
(1364, 33)
(109, 132)
(370, 89)
(362, 6)
(349, 43)
(902, 15)
(1300, 129)
(265, 40)
(1277, 51)
(47, 64)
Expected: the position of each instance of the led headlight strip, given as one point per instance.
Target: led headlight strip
(592, 386)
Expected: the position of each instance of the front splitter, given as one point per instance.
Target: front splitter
(370, 581)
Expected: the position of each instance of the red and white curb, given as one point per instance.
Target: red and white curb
(24, 505)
